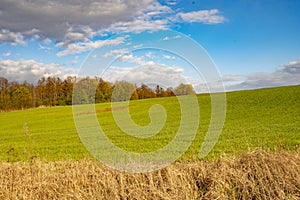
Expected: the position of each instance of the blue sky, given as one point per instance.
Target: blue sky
(253, 43)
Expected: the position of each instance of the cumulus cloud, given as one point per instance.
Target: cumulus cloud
(145, 20)
(77, 34)
(53, 18)
(14, 38)
(129, 57)
(31, 70)
(158, 17)
(204, 16)
(72, 21)
(151, 74)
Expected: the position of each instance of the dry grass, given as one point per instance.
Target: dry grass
(255, 175)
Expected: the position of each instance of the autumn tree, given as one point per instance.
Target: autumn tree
(41, 92)
(67, 90)
(161, 92)
(145, 92)
(103, 91)
(53, 91)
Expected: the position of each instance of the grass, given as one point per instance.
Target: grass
(256, 157)
(266, 118)
(254, 175)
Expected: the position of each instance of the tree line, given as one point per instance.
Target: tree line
(53, 91)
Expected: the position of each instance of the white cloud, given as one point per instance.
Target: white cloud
(116, 53)
(168, 57)
(130, 58)
(287, 74)
(152, 74)
(149, 55)
(78, 34)
(138, 46)
(31, 70)
(7, 54)
(154, 9)
(31, 32)
(11, 37)
(203, 16)
(80, 47)
(73, 25)
(53, 18)
(41, 47)
(172, 2)
(138, 25)
(47, 41)
(168, 38)
(158, 17)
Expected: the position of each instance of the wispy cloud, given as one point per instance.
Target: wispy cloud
(41, 47)
(157, 17)
(168, 38)
(138, 25)
(7, 54)
(80, 47)
(116, 53)
(287, 74)
(168, 57)
(203, 16)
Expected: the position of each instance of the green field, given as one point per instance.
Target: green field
(265, 118)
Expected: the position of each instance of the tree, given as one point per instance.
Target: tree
(21, 98)
(4, 94)
(145, 92)
(103, 91)
(49, 92)
(67, 89)
(41, 92)
(58, 92)
(53, 91)
(84, 91)
(184, 89)
(160, 92)
(124, 91)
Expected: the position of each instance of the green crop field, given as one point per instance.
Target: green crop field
(265, 118)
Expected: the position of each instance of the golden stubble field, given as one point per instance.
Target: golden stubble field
(253, 175)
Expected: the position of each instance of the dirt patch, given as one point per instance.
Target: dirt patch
(103, 110)
(110, 109)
